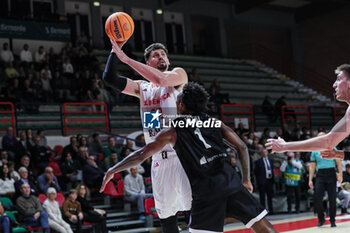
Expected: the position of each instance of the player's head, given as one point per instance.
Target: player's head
(156, 56)
(193, 99)
(342, 84)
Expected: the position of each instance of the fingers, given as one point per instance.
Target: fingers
(102, 187)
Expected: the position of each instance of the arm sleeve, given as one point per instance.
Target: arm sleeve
(65, 210)
(110, 76)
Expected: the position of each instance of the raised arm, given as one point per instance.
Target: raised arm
(232, 138)
(164, 137)
(325, 142)
(119, 83)
(176, 77)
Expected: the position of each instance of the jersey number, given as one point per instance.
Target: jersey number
(199, 134)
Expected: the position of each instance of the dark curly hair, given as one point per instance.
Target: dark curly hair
(195, 98)
(152, 47)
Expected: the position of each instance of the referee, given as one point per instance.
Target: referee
(326, 180)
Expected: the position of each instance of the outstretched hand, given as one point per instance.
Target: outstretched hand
(106, 179)
(332, 154)
(117, 49)
(276, 145)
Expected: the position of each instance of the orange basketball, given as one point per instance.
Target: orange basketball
(119, 26)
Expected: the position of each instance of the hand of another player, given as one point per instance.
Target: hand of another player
(311, 184)
(106, 179)
(276, 145)
(248, 185)
(332, 154)
(117, 49)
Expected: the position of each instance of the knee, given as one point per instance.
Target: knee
(43, 214)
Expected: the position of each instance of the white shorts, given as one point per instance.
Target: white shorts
(171, 187)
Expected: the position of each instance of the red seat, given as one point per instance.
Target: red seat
(120, 187)
(149, 203)
(110, 190)
(60, 199)
(88, 223)
(34, 228)
(42, 197)
(117, 176)
(58, 149)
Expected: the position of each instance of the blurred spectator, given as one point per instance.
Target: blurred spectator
(233, 160)
(194, 77)
(83, 155)
(134, 190)
(37, 85)
(268, 109)
(25, 162)
(76, 86)
(7, 184)
(90, 213)
(147, 164)
(71, 148)
(95, 147)
(48, 179)
(30, 137)
(112, 147)
(23, 147)
(30, 210)
(26, 55)
(40, 154)
(216, 95)
(280, 102)
(23, 173)
(14, 92)
(4, 159)
(41, 134)
(53, 211)
(292, 172)
(264, 173)
(13, 174)
(47, 70)
(46, 88)
(127, 149)
(67, 67)
(83, 142)
(71, 170)
(92, 174)
(5, 221)
(58, 84)
(83, 39)
(71, 210)
(344, 195)
(110, 161)
(40, 55)
(11, 72)
(6, 54)
(8, 143)
(346, 173)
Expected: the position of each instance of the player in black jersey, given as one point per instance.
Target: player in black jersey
(217, 189)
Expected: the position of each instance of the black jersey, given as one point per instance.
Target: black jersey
(203, 156)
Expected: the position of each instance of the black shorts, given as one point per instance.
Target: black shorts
(210, 215)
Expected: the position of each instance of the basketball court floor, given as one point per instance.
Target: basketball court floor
(296, 223)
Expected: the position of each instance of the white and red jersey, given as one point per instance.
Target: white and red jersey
(163, 99)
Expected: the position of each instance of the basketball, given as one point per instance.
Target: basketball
(119, 26)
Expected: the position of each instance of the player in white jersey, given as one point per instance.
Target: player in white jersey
(171, 188)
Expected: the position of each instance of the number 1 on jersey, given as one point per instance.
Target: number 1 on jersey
(199, 134)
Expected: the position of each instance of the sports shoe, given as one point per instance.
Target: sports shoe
(321, 222)
(333, 224)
